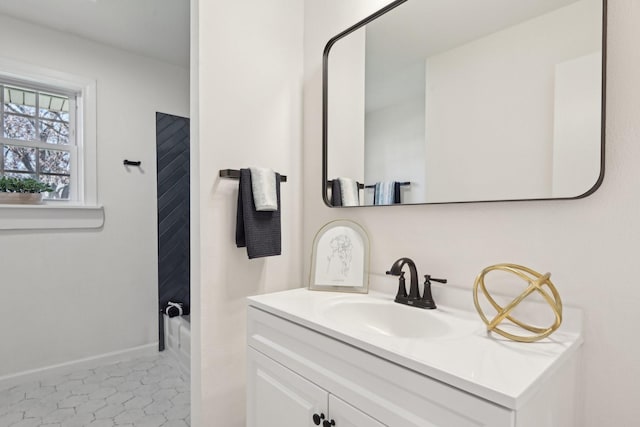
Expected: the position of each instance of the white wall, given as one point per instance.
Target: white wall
(508, 148)
(249, 108)
(346, 97)
(75, 294)
(589, 245)
(395, 132)
(395, 149)
(576, 125)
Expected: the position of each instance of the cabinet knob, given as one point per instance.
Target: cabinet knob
(317, 419)
(328, 423)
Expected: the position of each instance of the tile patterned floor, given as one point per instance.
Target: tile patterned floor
(144, 392)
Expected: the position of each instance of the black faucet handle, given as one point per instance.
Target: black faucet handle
(402, 288)
(428, 278)
(427, 298)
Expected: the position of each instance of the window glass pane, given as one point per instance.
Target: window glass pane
(19, 158)
(54, 107)
(55, 161)
(55, 115)
(19, 101)
(60, 185)
(54, 132)
(37, 117)
(17, 127)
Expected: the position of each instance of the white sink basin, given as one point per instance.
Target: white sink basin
(387, 318)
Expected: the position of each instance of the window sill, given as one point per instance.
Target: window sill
(50, 216)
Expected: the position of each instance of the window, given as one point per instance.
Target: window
(38, 137)
(48, 132)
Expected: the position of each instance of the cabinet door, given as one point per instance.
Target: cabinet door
(278, 397)
(346, 415)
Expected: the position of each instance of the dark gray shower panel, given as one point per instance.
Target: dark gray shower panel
(172, 139)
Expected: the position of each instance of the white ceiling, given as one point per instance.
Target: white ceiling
(418, 29)
(154, 28)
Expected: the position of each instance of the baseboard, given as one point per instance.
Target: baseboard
(87, 363)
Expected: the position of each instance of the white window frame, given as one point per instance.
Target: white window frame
(84, 211)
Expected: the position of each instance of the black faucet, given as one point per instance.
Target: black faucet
(413, 299)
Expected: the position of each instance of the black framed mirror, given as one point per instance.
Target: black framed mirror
(457, 101)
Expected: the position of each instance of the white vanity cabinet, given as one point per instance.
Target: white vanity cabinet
(346, 415)
(298, 367)
(278, 397)
(295, 372)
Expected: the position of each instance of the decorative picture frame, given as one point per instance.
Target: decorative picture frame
(340, 258)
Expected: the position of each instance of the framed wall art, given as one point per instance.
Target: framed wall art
(340, 258)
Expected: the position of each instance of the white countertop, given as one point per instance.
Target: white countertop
(489, 366)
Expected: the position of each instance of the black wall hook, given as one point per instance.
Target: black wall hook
(131, 163)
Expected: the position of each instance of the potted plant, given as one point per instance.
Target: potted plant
(22, 191)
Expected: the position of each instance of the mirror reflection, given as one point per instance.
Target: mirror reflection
(466, 100)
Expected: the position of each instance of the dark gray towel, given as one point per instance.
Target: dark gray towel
(396, 192)
(258, 231)
(336, 193)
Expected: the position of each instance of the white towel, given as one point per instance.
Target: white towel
(350, 193)
(263, 186)
(384, 193)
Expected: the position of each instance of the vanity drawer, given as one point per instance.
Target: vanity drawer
(392, 394)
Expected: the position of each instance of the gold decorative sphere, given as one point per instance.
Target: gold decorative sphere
(537, 282)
